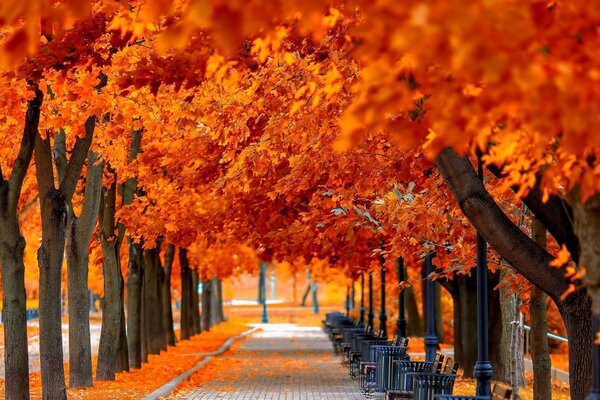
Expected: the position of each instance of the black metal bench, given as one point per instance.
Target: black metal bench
(421, 380)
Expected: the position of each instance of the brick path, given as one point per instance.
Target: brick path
(283, 362)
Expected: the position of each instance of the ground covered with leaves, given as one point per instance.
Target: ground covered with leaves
(159, 370)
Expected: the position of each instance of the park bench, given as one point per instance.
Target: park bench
(401, 384)
(499, 392)
(422, 384)
(385, 355)
(368, 363)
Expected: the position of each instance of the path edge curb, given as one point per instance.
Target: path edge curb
(170, 386)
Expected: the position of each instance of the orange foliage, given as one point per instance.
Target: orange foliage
(159, 370)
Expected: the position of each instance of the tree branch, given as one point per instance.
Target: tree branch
(91, 197)
(78, 157)
(59, 154)
(17, 175)
(529, 259)
(556, 215)
(43, 166)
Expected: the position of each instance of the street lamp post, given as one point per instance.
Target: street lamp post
(401, 323)
(431, 339)
(263, 280)
(382, 314)
(483, 371)
(352, 295)
(371, 316)
(347, 301)
(362, 299)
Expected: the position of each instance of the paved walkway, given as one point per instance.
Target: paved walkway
(283, 362)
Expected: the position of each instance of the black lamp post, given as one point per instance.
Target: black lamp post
(431, 339)
(483, 371)
(362, 299)
(595, 393)
(353, 295)
(263, 280)
(382, 314)
(401, 323)
(347, 300)
(370, 316)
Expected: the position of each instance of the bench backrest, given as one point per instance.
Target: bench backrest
(438, 362)
(450, 366)
(500, 392)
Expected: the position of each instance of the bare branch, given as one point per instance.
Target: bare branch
(91, 199)
(78, 156)
(17, 175)
(59, 154)
(529, 259)
(43, 166)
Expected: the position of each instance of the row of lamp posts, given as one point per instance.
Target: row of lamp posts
(483, 371)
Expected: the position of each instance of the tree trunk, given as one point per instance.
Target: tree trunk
(529, 259)
(186, 321)
(196, 321)
(153, 317)
(499, 348)
(414, 322)
(576, 311)
(166, 296)
(14, 299)
(214, 302)
(305, 295)
(452, 287)
(123, 354)
(110, 360)
(53, 205)
(143, 340)
(80, 232)
(50, 258)
(219, 288)
(540, 355)
(134, 303)
(439, 319)
(206, 307)
(467, 293)
(12, 248)
(511, 340)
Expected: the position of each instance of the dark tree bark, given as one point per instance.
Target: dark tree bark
(166, 296)
(540, 355)
(196, 323)
(144, 344)
(529, 259)
(414, 322)
(206, 307)
(134, 267)
(216, 313)
(112, 352)
(134, 303)
(54, 205)
(79, 234)
(12, 248)
(155, 337)
(587, 229)
(463, 289)
(186, 296)
(123, 352)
